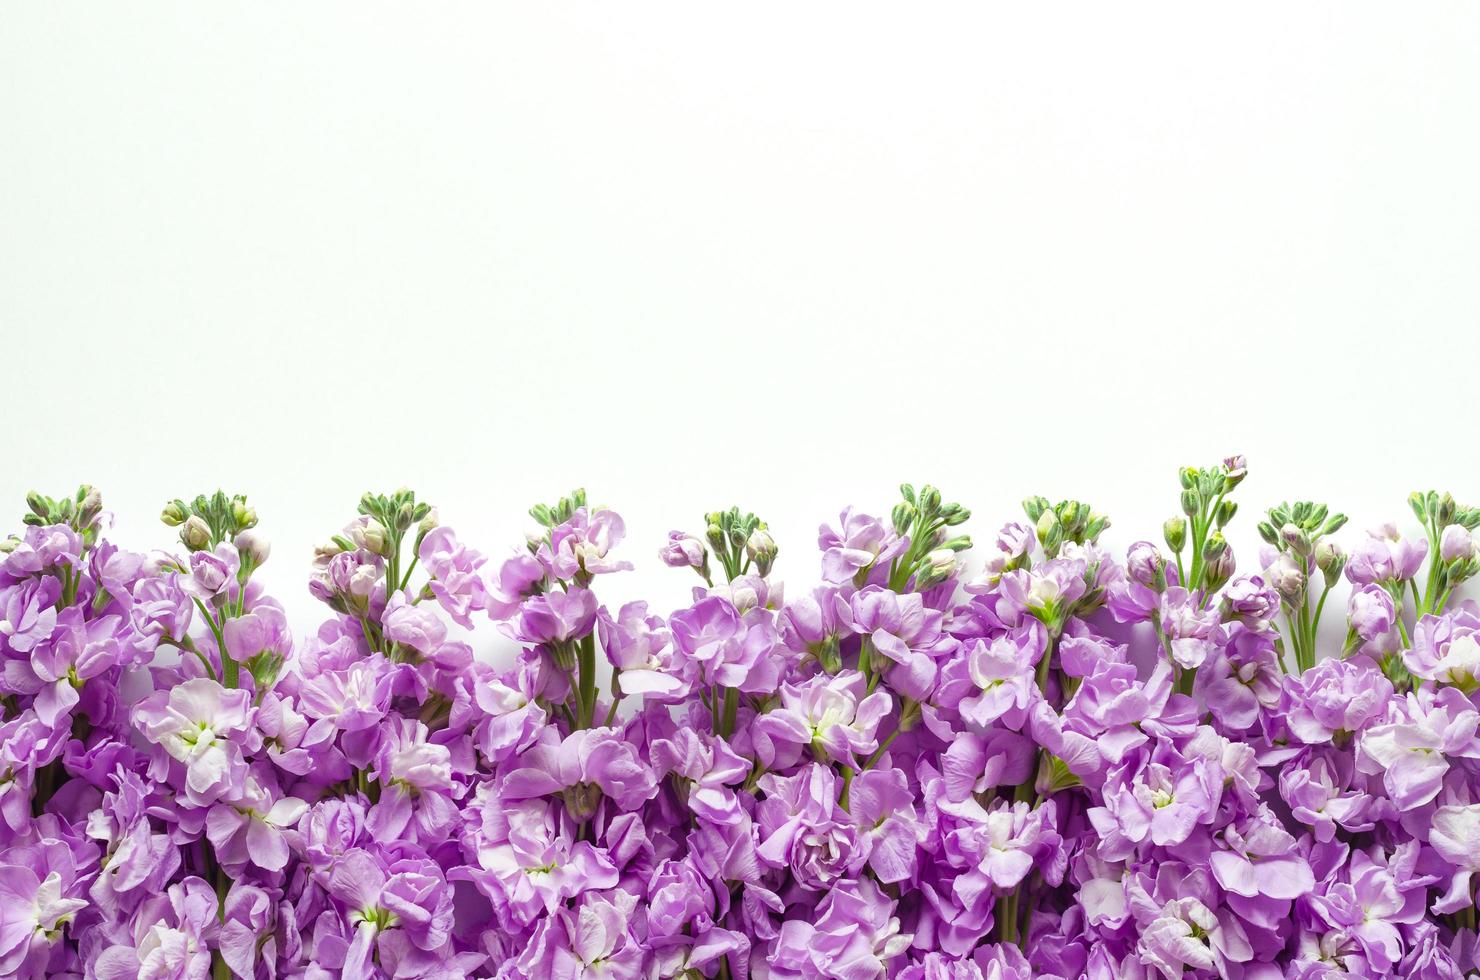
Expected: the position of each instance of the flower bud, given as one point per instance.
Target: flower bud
(1238, 468)
(1175, 532)
(195, 534)
(1456, 544)
(428, 523)
(940, 565)
(1034, 507)
(904, 514)
(1287, 578)
(90, 507)
(252, 546)
(377, 539)
(38, 504)
(7, 545)
(174, 513)
(1214, 547)
(1296, 540)
(1144, 563)
(243, 515)
(1330, 559)
(1189, 502)
(715, 534)
(761, 549)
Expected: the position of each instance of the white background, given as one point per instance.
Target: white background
(779, 255)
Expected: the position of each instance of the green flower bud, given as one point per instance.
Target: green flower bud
(377, 538)
(715, 534)
(904, 513)
(1190, 502)
(1048, 524)
(1214, 547)
(1034, 508)
(242, 515)
(761, 548)
(39, 505)
(1175, 532)
(1418, 505)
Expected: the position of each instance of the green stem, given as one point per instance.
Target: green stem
(587, 680)
(879, 752)
(1007, 921)
(731, 708)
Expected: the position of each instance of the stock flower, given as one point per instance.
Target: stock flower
(832, 714)
(194, 723)
(858, 543)
(637, 644)
(1069, 767)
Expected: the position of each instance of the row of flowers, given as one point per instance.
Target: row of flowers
(1056, 764)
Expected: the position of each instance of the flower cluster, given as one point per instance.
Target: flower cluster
(1055, 763)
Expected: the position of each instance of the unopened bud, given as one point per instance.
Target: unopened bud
(38, 504)
(253, 546)
(377, 539)
(174, 513)
(243, 515)
(1189, 502)
(1214, 547)
(1287, 578)
(1175, 532)
(1237, 468)
(1456, 544)
(939, 565)
(90, 508)
(904, 514)
(195, 534)
(761, 548)
(428, 523)
(1296, 540)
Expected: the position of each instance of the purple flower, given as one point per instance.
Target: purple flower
(858, 544)
(413, 626)
(1384, 557)
(1260, 859)
(683, 550)
(34, 909)
(457, 580)
(830, 714)
(579, 548)
(555, 617)
(803, 829)
(213, 573)
(636, 644)
(1446, 650)
(252, 828)
(592, 758)
(1335, 696)
(1002, 673)
(197, 723)
(855, 935)
(1411, 751)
